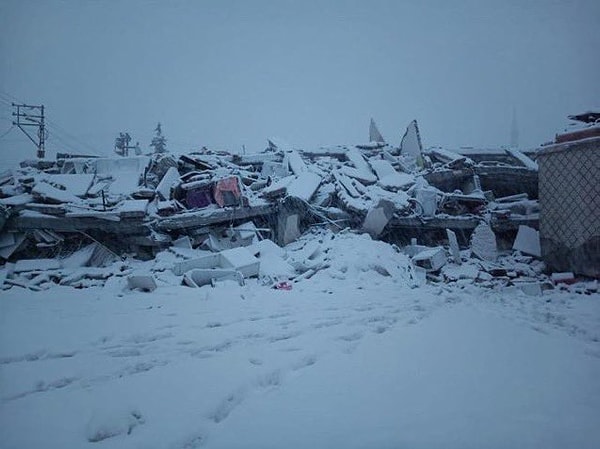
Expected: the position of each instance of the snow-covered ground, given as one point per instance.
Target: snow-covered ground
(350, 358)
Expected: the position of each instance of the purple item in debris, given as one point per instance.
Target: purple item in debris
(198, 198)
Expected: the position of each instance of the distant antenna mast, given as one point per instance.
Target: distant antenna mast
(28, 115)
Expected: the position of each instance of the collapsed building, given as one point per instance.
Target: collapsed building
(219, 201)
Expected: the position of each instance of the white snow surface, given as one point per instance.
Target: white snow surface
(351, 357)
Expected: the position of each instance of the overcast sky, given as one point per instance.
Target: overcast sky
(231, 73)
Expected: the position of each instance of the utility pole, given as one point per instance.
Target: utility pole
(28, 115)
(122, 146)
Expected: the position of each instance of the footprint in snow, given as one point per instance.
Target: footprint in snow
(42, 387)
(304, 362)
(193, 442)
(125, 352)
(227, 405)
(351, 337)
(283, 337)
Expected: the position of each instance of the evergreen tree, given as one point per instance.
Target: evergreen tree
(159, 142)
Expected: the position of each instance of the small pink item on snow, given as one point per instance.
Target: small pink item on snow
(285, 285)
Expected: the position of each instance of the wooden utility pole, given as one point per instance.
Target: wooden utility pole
(28, 115)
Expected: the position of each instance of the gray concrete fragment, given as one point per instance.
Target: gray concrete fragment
(530, 288)
(163, 189)
(454, 248)
(483, 243)
(528, 241)
(378, 218)
(36, 265)
(145, 283)
(207, 261)
(200, 277)
(431, 259)
(242, 260)
(183, 242)
(427, 198)
(288, 228)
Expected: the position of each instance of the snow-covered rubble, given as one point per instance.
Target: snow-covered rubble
(140, 205)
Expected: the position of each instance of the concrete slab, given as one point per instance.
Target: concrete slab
(431, 259)
(528, 241)
(200, 277)
(241, 260)
(378, 217)
(454, 248)
(143, 282)
(483, 243)
(25, 265)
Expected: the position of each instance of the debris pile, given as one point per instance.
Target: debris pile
(216, 202)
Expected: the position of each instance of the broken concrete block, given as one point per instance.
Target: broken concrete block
(411, 141)
(530, 288)
(240, 259)
(278, 188)
(75, 184)
(183, 242)
(483, 243)
(79, 258)
(17, 200)
(288, 228)
(427, 198)
(523, 158)
(374, 134)
(304, 186)
(36, 265)
(296, 163)
(378, 218)
(389, 177)
(357, 159)
(274, 170)
(170, 178)
(365, 177)
(143, 282)
(418, 276)
(431, 259)
(346, 183)
(528, 241)
(199, 277)
(51, 194)
(454, 273)
(454, 248)
(133, 208)
(210, 260)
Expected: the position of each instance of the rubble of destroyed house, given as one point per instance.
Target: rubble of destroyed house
(460, 216)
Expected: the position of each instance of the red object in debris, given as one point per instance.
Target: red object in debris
(227, 192)
(563, 278)
(285, 285)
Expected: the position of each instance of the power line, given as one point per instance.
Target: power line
(66, 135)
(6, 133)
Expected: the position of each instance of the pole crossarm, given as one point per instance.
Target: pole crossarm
(26, 118)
